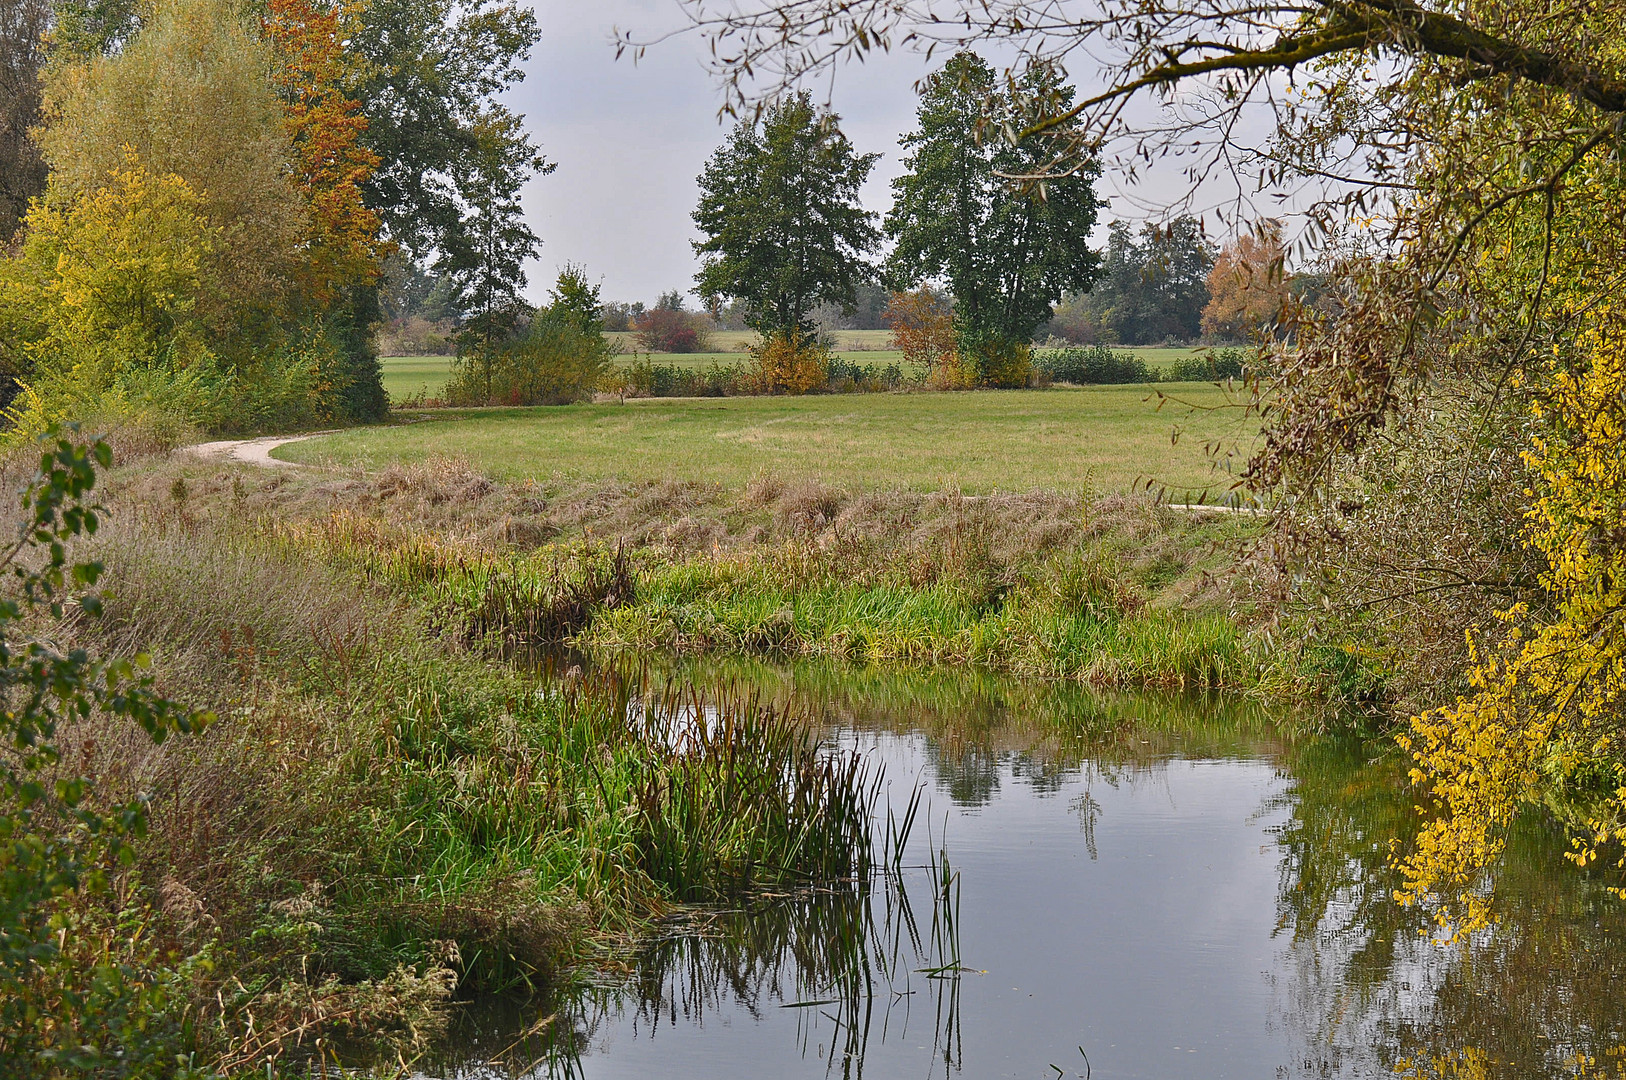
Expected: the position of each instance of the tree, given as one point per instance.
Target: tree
(191, 95)
(1005, 252)
(326, 127)
(1151, 289)
(1248, 286)
(922, 325)
(117, 273)
(780, 213)
(22, 54)
(668, 328)
(431, 73)
(486, 259)
(559, 358)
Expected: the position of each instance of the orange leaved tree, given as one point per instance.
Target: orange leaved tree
(325, 125)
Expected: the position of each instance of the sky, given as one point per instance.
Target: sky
(630, 138)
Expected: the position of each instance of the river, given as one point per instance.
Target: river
(1101, 886)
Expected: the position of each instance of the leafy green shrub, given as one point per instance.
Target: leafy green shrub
(56, 839)
(1093, 365)
(555, 363)
(1212, 365)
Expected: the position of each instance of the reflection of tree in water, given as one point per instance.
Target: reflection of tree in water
(1376, 994)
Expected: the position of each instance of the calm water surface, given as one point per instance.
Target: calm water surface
(1134, 887)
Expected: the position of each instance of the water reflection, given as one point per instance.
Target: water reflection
(1144, 887)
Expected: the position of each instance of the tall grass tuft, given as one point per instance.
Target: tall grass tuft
(745, 795)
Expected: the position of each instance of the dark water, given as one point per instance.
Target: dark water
(1134, 887)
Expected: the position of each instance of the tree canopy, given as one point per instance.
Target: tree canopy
(1152, 288)
(784, 231)
(1005, 251)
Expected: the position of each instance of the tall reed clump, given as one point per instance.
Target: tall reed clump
(747, 796)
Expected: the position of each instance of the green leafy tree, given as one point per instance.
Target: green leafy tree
(433, 71)
(559, 358)
(575, 300)
(485, 258)
(1152, 288)
(1006, 250)
(56, 838)
(780, 213)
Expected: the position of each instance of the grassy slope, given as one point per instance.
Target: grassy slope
(1109, 438)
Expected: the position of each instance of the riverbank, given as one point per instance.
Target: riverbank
(1113, 591)
(390, 809)
(383, 814)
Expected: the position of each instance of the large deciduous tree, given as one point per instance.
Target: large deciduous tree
(191, 95)
(1248, 285)
(432, 73)
(1007, 251)
(784, 229)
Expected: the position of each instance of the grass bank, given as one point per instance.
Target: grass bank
(381, 814)
(1182, 437)
(1112, 591)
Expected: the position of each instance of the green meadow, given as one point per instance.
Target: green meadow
(1182, 436)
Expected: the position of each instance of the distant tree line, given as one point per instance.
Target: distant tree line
(979, 257)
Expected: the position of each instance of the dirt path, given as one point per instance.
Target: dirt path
(251, 451)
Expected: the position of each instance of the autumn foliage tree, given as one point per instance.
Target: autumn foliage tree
(922, 324)
(325, 125)
(1247, 286)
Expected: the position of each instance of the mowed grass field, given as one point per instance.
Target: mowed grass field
(409, 377)
(1110, 438)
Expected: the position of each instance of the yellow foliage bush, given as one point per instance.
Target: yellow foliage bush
(120, 267)
(790, 364)
(1546, 702)
(952, 372)
(1004, 364)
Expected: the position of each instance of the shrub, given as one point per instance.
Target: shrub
(1212, 365)
(672, 331)
(791, 364)
(1004, 365)
(555, 363)
(1095, 365)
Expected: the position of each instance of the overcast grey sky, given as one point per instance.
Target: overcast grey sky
(630, 139)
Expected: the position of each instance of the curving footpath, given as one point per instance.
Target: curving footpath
(250, 451)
